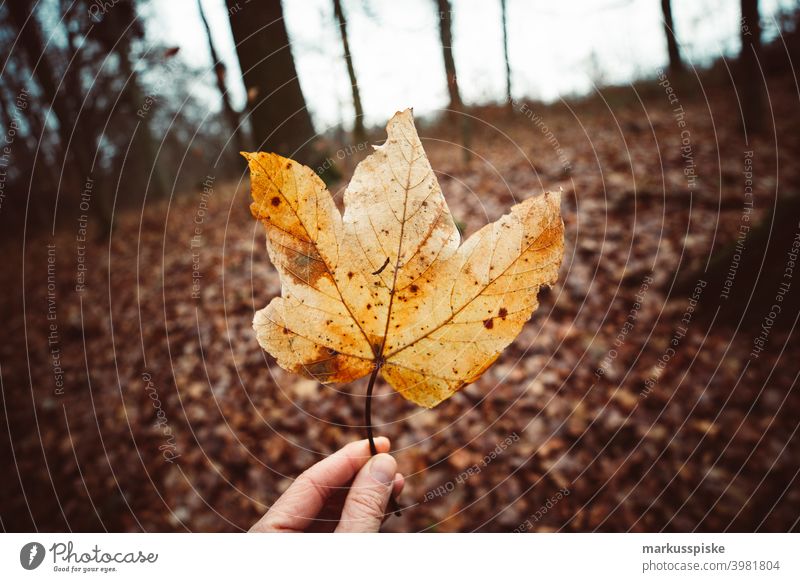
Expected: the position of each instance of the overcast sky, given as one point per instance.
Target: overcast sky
(555, 50)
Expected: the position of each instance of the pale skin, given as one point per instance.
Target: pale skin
(345, 492)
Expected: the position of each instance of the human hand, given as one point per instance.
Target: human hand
(346, 492)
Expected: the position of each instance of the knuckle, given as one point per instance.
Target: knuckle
(367, 503)
(305, 483)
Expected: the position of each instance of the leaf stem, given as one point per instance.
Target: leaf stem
(368, 409)
(394, 507)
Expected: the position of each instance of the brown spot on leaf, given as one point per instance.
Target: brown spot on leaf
(305, 265)
(488, 323)
(323, 369)
(503, 312)
(276, 201)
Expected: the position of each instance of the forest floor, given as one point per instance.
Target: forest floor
(618, 408)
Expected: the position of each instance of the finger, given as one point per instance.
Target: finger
(365, 506)
(399, 483)
(303, 500)
(301, 503)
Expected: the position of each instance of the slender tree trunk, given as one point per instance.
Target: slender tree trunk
(31, 39)
(77, 146)
(359, 134)
(280, 119)
(675, 61)
(739, 270)
(750, 82)
(230, 114)
(504, 18)
(446, 35)
(45, 173)
(146, 139)
(456, 107)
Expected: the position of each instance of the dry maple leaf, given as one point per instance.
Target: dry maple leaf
(388, 286)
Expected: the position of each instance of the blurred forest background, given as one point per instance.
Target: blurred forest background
(654, 389)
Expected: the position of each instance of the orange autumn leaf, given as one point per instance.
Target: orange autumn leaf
(389, 284)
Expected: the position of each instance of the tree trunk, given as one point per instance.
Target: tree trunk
(446, 35)
(754, 271)
(230, 114)
(31, 39)
(359, 135)
(456, 107)
(504, 19)
(281, 122)
(146, 142)
(736, 272)
(675, 62)
(750, 81)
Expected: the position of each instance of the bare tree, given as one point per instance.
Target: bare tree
(231, 115)
(358, 126)
(30, 37)
(446, 35)
(750, 74)
(675, 61)
(504, 19)
(281, 122)
(118, 30)
(756, 279)
(455, 106)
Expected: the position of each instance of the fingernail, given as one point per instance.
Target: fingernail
(382, 468)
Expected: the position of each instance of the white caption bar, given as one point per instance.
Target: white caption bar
(389, 557)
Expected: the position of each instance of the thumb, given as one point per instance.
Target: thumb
(366, 502)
